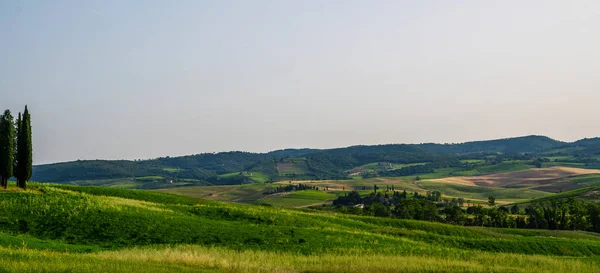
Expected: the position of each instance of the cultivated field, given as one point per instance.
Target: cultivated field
(519, 179)
(506, 187)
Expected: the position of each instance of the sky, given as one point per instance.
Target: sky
(142, 79)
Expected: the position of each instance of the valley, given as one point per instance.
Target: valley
(472, 207)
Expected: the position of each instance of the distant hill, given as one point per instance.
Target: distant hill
(526, 144)
(308, 163)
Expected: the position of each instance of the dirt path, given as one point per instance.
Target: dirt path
(414, 182)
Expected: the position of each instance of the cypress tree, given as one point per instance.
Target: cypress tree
(25, 155)
(17, 138)
(7, 147)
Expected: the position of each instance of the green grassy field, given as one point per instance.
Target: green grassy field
(91, 229)
(149, 178)
(586, 180)
(253, 177)
(503, 167)
(591, 194)
(126, 183)
(259, 177)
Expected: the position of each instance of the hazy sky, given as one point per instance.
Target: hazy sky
(142, 79)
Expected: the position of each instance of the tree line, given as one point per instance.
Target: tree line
(556, 214)
(292, 187)
(16, 157)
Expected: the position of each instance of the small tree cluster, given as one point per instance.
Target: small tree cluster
(562, 214)
(292, 187)
(15, 148)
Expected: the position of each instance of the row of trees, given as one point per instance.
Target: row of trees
(15, 148)
(353, 198)
(292, 187)
(561, 214)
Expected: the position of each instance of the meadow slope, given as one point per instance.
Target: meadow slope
(53, 228)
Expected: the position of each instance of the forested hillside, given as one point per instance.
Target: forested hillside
(527, 144)
(229, 167)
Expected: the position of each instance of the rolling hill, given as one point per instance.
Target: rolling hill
(591, 194)
(95, 229)
(506, 185)
(339, 163)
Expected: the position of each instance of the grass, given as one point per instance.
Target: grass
(591, 194)
(149, 178)
(259, 177)
(115, 182)
(227, 175)
(53, 228)
(563, 164)
(503, 167)
(586, 180)
(207, 259)
(127, 194)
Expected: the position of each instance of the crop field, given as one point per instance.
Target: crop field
(254, 194)
(400, 183)
(248, 193)
(520, 179)
(292, 166)
(517, 186)
(504, 167)
(115, 230)
(479, 193)
(506, 187)
(299, 199)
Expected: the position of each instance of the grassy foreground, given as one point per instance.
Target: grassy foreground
(53, 228)
(205, 259)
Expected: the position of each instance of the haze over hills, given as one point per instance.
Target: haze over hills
(296, 164)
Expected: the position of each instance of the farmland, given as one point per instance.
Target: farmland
(387, 208)
(506, 187)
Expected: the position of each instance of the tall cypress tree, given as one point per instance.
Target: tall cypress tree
(17, 144)
(7, 147)
(24, 147)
